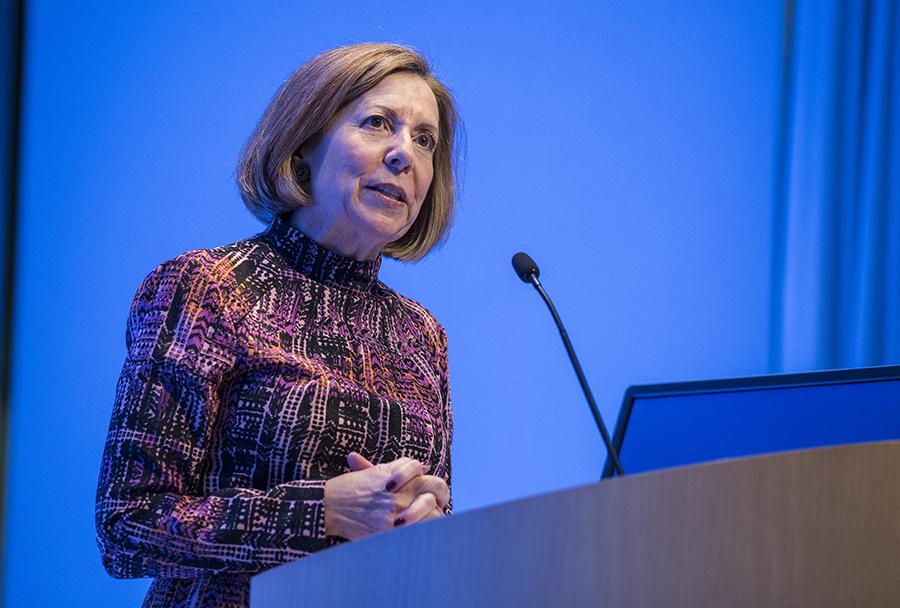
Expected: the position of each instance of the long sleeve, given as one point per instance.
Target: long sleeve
(154, 517)
(446, 408)
(435, 368)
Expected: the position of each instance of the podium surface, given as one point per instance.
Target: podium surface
(814, 527)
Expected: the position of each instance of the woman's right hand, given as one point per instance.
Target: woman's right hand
(372, 498)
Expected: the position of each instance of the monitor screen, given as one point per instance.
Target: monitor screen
(668, 425)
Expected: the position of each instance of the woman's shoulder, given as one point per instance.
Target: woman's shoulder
(201, 278)
(219, 265)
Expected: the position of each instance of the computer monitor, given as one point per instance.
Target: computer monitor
(667, 425)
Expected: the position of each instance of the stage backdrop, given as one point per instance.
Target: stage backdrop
(627, 146)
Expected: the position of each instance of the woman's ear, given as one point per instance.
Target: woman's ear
(300, 167)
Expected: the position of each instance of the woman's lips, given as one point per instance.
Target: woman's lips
(384, 198)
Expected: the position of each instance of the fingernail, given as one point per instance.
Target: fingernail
(399, 521)
(390, 485)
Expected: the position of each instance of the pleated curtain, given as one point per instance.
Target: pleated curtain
(836, 222)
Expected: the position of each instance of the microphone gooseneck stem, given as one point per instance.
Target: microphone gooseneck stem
(532, 278)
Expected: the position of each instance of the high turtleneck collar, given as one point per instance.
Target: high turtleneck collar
(317, 261)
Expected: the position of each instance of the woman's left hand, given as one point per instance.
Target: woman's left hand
(428, 495)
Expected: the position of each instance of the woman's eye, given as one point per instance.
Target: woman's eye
(377, 122)
(426, 140)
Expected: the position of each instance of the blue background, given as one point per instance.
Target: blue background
(628, 146)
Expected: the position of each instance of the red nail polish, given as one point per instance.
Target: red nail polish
(390, 485)
(399, 521)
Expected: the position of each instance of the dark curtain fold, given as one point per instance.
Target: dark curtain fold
(11, 53)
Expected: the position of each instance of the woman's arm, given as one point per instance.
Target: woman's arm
(153, 515)
(446, 409)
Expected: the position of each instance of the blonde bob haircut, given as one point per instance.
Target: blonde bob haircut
(304, 107)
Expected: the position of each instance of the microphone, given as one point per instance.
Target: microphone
(528, 271)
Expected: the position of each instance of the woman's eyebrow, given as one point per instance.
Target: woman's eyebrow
(392, 114)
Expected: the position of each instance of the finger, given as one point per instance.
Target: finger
(407, 470)
(404, 460)
(438, 487)
(431, 483)
(357, 462)
(435, 513)
(421, 507)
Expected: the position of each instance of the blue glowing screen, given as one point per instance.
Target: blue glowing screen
(679, 424)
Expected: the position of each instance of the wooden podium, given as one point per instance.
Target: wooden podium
(811, 528)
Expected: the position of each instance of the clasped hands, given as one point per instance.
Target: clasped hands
(372, 498)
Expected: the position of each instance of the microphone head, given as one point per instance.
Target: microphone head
(525, 266)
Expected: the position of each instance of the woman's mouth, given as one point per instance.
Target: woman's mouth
(389, 193)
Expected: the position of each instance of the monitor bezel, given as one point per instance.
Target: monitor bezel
(879, 373)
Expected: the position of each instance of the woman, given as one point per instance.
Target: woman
(264, 379)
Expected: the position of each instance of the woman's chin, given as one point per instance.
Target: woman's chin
(385, 227)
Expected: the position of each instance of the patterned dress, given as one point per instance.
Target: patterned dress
(252, 370)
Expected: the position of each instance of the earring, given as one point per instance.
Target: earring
(302, 173)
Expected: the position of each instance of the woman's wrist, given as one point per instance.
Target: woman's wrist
(329, 521)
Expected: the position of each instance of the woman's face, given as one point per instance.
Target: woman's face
(372, 167)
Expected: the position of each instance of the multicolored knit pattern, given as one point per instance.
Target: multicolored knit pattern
(252, 370)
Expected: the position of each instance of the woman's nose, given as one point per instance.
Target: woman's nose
(399, 157)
